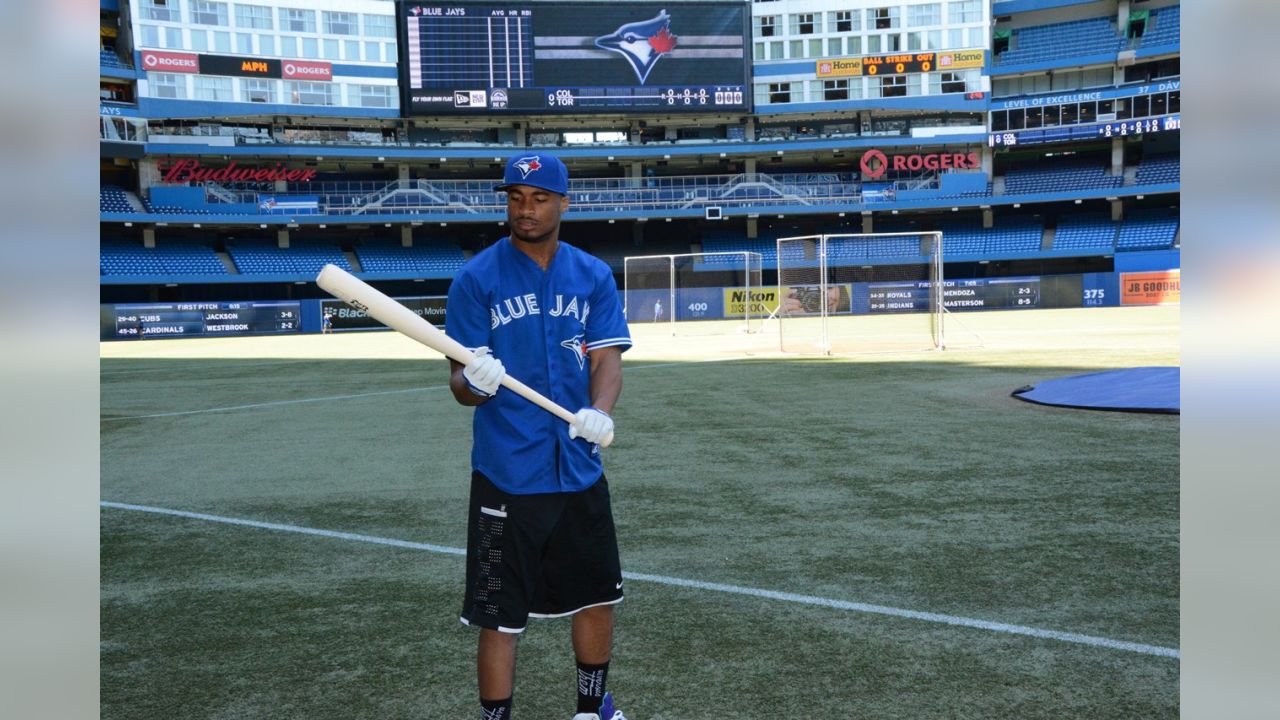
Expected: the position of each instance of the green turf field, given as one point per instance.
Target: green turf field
(848, 489)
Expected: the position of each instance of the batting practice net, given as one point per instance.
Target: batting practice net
(689, 291)
(847, 293)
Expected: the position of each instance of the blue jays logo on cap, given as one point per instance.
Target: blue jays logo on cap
(540, 171)
(527, 165)
(641, 43)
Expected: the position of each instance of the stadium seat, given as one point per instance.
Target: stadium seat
(1056, 41)
(1163, 27)
(1087, 231)
(1148, 229)
(1060, 177)
(438, 258)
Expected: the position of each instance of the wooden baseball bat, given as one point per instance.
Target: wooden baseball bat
(362, 296)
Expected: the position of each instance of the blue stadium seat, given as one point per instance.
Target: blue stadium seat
(1160, 169)
(302, 258)
(436, 259)
(1056, 41)
(1148, 230)
(1163, 27)
(1060, 177)
(1086, 231)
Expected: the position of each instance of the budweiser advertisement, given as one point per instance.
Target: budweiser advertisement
(186, 171)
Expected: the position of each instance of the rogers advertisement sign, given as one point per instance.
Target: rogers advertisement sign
(875, 163)
(156, 61)
(304, 70)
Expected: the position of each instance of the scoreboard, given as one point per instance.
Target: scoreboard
(977, 294)
(195, 319)
(476, 58)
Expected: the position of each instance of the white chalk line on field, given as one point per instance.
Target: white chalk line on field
(954, 620)
(275, 403)
(327, 398)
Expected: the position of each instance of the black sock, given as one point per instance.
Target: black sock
(591, 686)
(495, 709)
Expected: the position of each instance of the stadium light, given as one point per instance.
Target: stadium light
(895, 212)
(387, 225)
(1017, 205)
(262, 226)
(779, 152)
(668, 219)
(129, 224)
(323, 226)
(444, 224)
(955, 209)
(1140, 197)
(195, 225)
(1078, 202)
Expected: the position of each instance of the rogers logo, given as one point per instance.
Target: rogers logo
(170, 61)
(308, 70)
(874, 171)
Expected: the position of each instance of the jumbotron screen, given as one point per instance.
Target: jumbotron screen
(559, 58)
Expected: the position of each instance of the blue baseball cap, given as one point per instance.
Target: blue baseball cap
(539, 170)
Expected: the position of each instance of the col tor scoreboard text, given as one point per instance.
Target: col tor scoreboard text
(563, 58)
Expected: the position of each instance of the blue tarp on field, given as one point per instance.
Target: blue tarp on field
(1141, 389)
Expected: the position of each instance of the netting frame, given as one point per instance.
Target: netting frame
(672, 286)
(937, 309)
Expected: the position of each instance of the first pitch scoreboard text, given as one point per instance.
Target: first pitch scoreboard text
(564, 58)
(199, 319)
(979, 294)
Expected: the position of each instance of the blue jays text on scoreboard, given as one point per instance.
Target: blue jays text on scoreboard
(569, 57)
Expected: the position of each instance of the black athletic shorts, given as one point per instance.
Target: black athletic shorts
(542, 555)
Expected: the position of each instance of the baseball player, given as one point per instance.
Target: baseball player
(541, 539)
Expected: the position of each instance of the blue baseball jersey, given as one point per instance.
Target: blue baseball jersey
(541, 325)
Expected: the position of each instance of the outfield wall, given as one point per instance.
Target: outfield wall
(205, 319)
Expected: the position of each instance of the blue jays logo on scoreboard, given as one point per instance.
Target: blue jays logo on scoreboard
(641, 43)
(472, 56)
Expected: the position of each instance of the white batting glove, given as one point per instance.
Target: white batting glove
(591, 425)
(484, 374)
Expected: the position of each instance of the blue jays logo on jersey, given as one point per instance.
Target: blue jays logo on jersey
(641, 43)
(578, 346)
(527, 165)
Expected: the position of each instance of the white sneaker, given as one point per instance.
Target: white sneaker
(606, 711)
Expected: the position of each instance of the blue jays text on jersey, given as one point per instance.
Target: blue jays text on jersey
(542, 325)
(527, 304)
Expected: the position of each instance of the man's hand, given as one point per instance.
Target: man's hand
(591, 425)
(484, 374)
